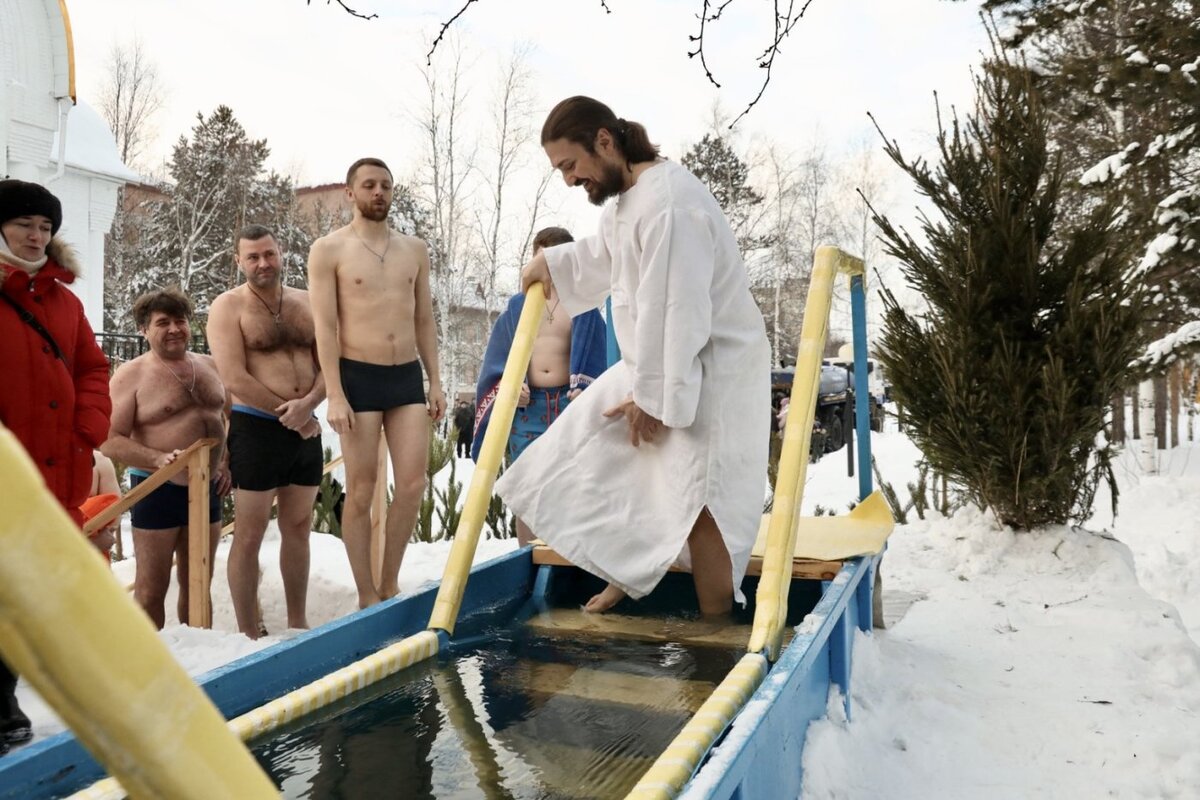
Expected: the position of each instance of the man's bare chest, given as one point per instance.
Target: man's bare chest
(164, 394)
(292, 330)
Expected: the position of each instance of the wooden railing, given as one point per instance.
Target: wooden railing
(199, 581)
(196, 460)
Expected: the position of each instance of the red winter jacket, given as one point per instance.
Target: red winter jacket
(58, 411)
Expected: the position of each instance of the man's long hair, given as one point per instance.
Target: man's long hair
(578, 119)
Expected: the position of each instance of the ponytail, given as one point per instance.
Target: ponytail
(578, 119)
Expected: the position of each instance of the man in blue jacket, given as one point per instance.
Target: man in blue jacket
(568, 354)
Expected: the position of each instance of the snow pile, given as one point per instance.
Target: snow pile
(1036, 667)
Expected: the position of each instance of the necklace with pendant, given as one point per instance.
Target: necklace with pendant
(190, 389)
(550, 311)
(362, 241)
(277, 314)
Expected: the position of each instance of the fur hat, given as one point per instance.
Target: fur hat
(24, 199)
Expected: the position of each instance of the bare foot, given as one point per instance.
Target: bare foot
(368, 600)
(605, 600)
(388, 592)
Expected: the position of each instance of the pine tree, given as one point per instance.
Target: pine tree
(727, 176)
(1031, 320)
(1122, 79)
(217, 185)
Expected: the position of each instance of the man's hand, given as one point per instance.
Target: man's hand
(339, 415)
(295, 414)
(223, 479)
(536, 270)
(166, 458)
(311, 428)
(642, 426)
(437, 402)
(523, 397)
(571, 395)
(104, 539)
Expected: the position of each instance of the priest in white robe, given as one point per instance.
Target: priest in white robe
(664, 458)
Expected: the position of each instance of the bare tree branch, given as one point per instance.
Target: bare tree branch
(783, 26)
(710, 12)
(445, 27)
(348, 9)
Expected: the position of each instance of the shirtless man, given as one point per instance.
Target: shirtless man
(262, 340)
(163, 401)
(369, 287)
(568, 354)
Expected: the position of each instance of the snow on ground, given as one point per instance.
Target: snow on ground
(1049, 664)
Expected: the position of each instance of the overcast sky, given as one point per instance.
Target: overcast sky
(324, 87)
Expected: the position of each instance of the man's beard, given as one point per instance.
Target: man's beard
(611, 182)
(371, 212)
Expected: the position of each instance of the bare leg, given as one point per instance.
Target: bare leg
(524, 535)
(407, 431)
(712, 571)
(153, 550)
(181, 567)
(253, 514)
(360, 447)
(295, 526)
(605, 600)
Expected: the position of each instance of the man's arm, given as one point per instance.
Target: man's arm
(119, 446)
(228, 347)
(296, 414)
(425, 329)
(322, 295)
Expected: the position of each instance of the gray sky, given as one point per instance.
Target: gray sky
(324, 88)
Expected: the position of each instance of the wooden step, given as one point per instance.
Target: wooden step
(801, 567)
(574, 621)
(610, 686)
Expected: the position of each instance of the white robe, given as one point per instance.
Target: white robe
(694, 354)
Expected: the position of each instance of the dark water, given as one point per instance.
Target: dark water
(524, 715)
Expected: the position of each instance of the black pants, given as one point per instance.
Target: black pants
(464, 446)
(8, 682)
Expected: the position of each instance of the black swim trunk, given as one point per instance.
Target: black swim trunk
(167, 506)
(382, 387)
(264, 455)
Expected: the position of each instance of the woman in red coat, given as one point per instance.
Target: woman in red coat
(54, 395)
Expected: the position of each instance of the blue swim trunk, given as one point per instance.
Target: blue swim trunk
(167, 506)
(530, 422)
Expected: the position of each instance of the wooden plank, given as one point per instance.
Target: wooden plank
(573, 772)
(801, 567)
(575, 621)
(199, 605)
(144, 488)
(610, 686)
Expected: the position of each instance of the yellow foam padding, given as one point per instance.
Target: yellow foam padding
(479, 494)
(771, 598)
(862, 532)
(309, 698)
(671, 770)
(70, 629)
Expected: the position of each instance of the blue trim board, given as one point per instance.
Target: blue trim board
(766, 762)
(59, 765)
